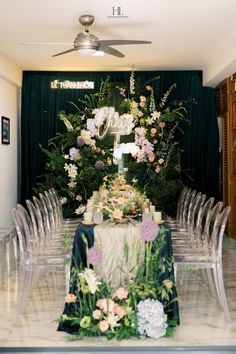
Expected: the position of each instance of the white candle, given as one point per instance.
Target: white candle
(157, 216)
(152, 208)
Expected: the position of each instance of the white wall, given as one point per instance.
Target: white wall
(10, 82)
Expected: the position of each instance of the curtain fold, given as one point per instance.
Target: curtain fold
(199, 142)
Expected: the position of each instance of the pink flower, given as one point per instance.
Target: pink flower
(151, 157)
(120, 294)
(70, 298)
(103, 326)
(117, 214)
(120, 201)
(142, 98)
(153, 132)
(97, 314)
(149, 230)
(106, 305)
(168, 283)
(158, 169)
(79, 198)
(119, 311)
(94, 255)
(162, 125)
(142, 104)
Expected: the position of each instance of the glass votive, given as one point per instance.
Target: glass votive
(152, 209)
(98, 217)
(88, 216)
(90, 209)
(147, 216)
(95, 194)
(157, 216)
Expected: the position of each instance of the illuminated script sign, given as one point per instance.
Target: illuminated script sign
(73, 85)
(109, 122)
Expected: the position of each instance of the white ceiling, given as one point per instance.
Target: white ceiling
(185, 34)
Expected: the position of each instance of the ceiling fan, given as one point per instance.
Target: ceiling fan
(86, 43)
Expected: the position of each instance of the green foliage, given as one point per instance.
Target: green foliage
(158, 173)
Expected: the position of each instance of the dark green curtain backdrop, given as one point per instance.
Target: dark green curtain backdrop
(41, 104)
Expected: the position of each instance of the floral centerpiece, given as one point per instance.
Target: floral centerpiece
(78, 160)
(141, 308)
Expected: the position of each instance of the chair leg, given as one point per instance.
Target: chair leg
(211, 282)
(220, 280)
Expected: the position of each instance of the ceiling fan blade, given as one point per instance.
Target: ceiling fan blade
(65, 52)
(108, 42)
(35, 43)
(111, 51)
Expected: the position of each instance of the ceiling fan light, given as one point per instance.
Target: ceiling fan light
(86, 51)
(98, 53)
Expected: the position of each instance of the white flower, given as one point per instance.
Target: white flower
(72, 171)
(72, 184)
(80, 210)
(66, 157)
(66, 167)
(134, 181)
(112, 320)
(155, 115)
(151, 318)
(63, 200)
(91, 279)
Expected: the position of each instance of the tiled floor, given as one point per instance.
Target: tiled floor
(202, 320)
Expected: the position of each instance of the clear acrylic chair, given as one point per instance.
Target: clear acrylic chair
(32, 262)
(58, 209)
(209, 257)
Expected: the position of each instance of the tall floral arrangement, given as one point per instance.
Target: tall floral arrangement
(78, 161)
(142, 308)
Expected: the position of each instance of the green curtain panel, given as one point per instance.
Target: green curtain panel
(199, 141)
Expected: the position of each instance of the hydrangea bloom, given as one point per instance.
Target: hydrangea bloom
(99, 165)
(151, 318)
(74, 153)
(149, 230)
(80, 141)
(91, 126)
(94, 255)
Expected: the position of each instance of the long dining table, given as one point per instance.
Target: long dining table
(85, 238)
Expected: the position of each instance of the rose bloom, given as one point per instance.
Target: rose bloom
(142, 99)
(161, 161)
(151, 157)
(98, 149)
(158, 169)
(153, 132)
(162, 125)
(97, 314)
(106, 305)
(117, 214)
(78, 197)
(168, 283)
(120, 294)
(103, 326)
(119, 311)
(120, 201)
(70, 298)
(142, 104)
(149, 88)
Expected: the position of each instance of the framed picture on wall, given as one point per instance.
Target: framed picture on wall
(5, 130)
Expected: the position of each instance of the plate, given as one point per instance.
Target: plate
(87, 222)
